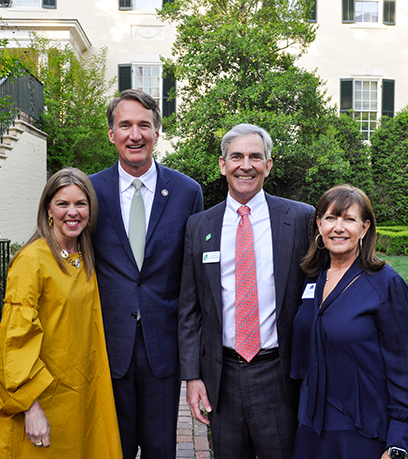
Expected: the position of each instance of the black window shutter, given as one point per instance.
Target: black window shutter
(169, 106)
(348, 11)
(388, 98)
(125, 4)
(313, 12)
(167, 1)
(346, 96)
(125, 77)
(49, 3)
(389, 12)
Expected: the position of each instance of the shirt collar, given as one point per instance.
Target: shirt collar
(148, 178)
(255, 204)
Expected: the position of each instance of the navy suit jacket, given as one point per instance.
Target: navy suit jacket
(154, 290)
(351, 353)
(200, 308)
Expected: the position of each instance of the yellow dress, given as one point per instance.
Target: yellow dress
(52, 348)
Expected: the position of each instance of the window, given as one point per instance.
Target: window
(389, 12)
(362, 98)
(148, 78)
(365, 106)
(142, 4)
(367, 11)
(36, 3)
(147, 4)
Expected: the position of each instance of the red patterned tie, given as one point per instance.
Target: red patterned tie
(247, 331)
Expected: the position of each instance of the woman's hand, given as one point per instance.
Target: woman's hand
(37, 426)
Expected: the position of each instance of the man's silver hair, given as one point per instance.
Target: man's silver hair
(244, 129)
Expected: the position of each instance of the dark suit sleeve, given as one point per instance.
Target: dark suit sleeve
(190, 318)
(199, 201)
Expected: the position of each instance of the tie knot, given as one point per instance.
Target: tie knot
(137, 184)
(243, 210)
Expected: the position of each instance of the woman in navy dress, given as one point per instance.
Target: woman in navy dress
(350, 345)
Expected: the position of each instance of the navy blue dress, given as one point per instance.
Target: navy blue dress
(351, 356)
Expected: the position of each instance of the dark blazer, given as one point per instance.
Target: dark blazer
(352, 354)
(155, 290)
(200, 308)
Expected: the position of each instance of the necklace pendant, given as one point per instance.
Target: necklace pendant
(64, 253)
(77, 263)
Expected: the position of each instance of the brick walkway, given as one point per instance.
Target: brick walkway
(192, 439)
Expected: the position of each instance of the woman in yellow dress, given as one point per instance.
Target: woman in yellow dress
(56, 399)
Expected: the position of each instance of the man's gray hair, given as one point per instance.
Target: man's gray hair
(244, 129)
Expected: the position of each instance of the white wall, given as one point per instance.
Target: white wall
(362, 50)
(22, 179)
(131, 36)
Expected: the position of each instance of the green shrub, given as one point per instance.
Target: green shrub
(392, 240)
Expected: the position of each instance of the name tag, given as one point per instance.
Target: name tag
(211, 257)
(309, 292)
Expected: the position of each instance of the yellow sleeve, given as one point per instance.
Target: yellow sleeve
(23, 375)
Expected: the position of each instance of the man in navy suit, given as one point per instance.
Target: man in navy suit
(251, 401)
(140, 298)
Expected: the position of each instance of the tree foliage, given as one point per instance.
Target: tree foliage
(75, 103)
(236, 60)
(389, 154)
(11, 68)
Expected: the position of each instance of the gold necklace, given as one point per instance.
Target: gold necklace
(65, 255)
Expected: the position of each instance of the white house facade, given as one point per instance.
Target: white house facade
(131, 30)
(361, 51)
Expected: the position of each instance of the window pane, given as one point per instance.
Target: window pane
(148, 79)
(366, 11)
(147, 4)
(31, 3)
(365, 104)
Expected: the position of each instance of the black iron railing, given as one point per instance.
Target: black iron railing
(4, 261)
(21, 97)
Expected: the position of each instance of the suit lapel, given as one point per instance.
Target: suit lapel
(161, 198)
(210, 234)
(110, 195)
(282, 226)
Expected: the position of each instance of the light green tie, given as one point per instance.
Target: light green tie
(137, 225)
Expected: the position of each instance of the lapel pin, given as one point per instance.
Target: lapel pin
(208, 237)
(164, 192)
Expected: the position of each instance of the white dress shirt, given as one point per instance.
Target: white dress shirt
(127, 190)
(261, 227)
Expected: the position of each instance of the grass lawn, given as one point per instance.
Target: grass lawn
(400, 264)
